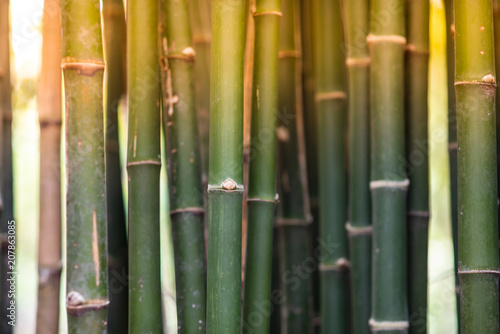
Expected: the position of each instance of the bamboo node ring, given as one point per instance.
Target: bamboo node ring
(388, 325)
(335, 95)
(404, 184)
(267, 13)
(397, 39)
(358, 230)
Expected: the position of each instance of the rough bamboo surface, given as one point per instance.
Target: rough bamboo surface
(388, 183)
(475, 85)
(83, 68)
(293, 210)
(417, 153)
(359, 220)
(225, 172)
(262, 169)
(143, 167)
(49, 115)
(183, 163)
(6, 204)
(115, 33)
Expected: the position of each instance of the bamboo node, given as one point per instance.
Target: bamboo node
(197, 211)
(256, 199)
(228, 185)
(283, 134)
(489, 78)
(144, 162)
(289, 54)
(423, 214)
(281, 222)
(397, 39)
(452, 146)
(353, 231)
(479, 271)
(188, 54)
(341, 264)
(403, 185)
(358, 62)
(47, 274)
(77, 305)
(335, 95)
(388, 325)
(202, 39)
(413, 49)
(85, 67)
(267, 13)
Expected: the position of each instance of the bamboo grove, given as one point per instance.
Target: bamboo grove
(332, 180)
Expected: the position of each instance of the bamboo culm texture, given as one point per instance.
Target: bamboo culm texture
(6, 210)
(115, 84)
(359, 225)
(83, 68)
(262, 170)
(225, 172)
(388, 183)
(293, 211)
(143, 167)
(184, 164)
(496, 25)
(49, 109)
(475, 85)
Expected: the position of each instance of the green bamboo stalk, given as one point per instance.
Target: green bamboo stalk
(417, 64)
(225, 172)
(83, 67)
(496, 25)
(475, 87)
(452, 136)
(6, 205)
(359, 225)
(261, 197)
(294, 212)
(184, 165)
(199, 11)
(49, 115)
(115, 85)
(331, 122)
(143, 167)
(388, 180)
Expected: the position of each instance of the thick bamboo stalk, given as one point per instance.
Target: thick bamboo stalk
(262, 169)
(475, 86)
(6, 205)
(359, 226)
(331, 123)
(115, 85)
(184, 164)
(225, 172)
(83, 67)
(143, 167)
(388, 183)
(417, 64)
(49, 115)
(293, 211)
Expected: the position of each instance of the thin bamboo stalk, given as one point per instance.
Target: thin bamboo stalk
(6, 207)
(293, 211)
(331, 123)
(496, 25)
(184, 164)
(475, 86)
(262, 169)
(143, 167)
(83, 67)
(388, 179)
(359, 225)
(417, 64)
(49, 115)
(115, 85)
(225, 172)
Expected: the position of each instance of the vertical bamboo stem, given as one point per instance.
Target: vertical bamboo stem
(225, 173)
(49, 115)
(143, 167)
(359, 226)
(184, 164)
(262, 169)
(83, 67)
(475, 86)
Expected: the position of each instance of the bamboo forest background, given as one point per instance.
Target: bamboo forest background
(26, 18)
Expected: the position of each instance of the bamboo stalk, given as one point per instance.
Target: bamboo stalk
(262, 169)
(49, 115)
(417, 64)
(331, 122)
(496, 25)
(184, 164)
(475, 86)
(293, 212)
(83, 67)
(388, 180)
(6, 205)
(359, 225)
(115, 85)
(225, 172)
(143, 167)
